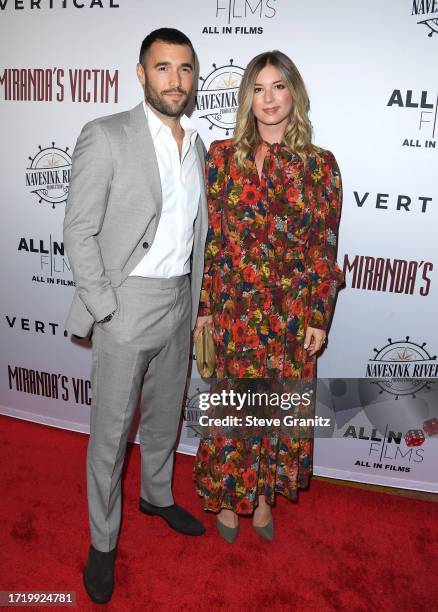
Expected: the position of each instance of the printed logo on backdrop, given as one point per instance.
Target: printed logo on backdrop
(419, 110)
(248, 14)
(61, 4)
(48, 175)
(216, 100)
(389, 434)
(51, 265)
(393, 450)
(192, 414)
(28, 326)
(398, 203)
(392, 412)
(84, 85)
(54, 385)
(392, 440)
(386, 274)
(402, 367)
(426, 14)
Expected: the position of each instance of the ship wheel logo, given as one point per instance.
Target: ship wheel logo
(432, 25)
(402, 367)
(192, 413)
(216, 100)
(48, 175)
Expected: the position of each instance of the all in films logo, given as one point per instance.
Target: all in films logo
(392, 450)
(389, 414)
(422, 107)
(216, 100)
(241, 17)
(49, 260)
(402, 367)
(426, 13)
(48, 175)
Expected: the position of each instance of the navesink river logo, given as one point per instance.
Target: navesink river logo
(192, 414)
(426, 11)
(216, 100)
(402, 367)
(48, 175)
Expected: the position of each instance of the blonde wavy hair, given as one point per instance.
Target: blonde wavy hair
(298, 133)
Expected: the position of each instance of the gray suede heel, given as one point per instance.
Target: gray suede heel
(229, 534)
(267, 532)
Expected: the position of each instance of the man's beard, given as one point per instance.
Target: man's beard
(157, 101)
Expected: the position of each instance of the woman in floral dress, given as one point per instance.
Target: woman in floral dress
(270, 281)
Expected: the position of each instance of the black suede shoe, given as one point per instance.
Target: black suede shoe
(178, 518)
(99, 575)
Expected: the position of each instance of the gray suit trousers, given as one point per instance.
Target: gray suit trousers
(142, 353)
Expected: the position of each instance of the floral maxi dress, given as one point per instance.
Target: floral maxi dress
(270, 271)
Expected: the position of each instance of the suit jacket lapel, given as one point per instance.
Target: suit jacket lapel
(202, 211)
(137, 130)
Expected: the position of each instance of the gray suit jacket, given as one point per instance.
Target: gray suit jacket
(112, 213)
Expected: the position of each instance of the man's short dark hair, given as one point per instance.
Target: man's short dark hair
(166, 35)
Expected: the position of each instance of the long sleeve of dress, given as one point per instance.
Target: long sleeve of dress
(214, 176)
(325, 275)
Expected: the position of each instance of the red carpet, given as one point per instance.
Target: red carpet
(337, 549)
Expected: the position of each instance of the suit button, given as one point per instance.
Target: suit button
(145, 245)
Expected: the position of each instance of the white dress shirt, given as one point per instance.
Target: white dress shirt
(170, 252)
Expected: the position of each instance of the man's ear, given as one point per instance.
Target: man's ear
(141, 74)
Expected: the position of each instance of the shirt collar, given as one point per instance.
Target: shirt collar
(155, 124)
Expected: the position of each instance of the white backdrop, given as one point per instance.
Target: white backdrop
(370, 72)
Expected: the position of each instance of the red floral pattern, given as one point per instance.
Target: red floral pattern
(270, 271)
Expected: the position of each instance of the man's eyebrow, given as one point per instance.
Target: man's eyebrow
(185, 65)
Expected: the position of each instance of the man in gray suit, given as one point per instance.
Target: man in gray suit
(134, 231)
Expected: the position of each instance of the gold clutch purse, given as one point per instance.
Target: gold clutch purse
(205, 353)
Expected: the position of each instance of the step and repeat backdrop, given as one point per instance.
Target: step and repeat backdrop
(371, 75)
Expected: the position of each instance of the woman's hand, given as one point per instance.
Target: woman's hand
(200, 322)
(314, 340)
